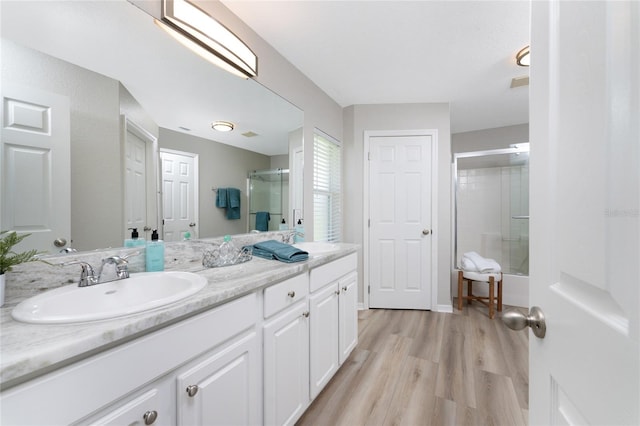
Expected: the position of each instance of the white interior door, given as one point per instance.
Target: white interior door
(35, 167)
(585, 198)
(140, 179)
(401, 170)
(179, 194)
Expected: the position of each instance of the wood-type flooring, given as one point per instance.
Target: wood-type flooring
(429, 368)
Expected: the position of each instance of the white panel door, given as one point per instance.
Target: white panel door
(585, 212)
(179, 194)
(400, 242)
(35, 167)
(140, 148)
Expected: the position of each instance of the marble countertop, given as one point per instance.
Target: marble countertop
(30, 350)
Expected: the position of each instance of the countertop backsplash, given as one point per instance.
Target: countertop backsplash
(29, 279)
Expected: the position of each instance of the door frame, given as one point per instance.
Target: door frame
(196, 188)
(368, 134)
(152, 174)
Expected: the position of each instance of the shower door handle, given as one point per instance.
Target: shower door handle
(426, 231)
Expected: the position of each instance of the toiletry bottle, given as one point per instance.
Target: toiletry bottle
(283, 225)
(299, 237)
(227, 251)
(134, 241)
(155, 253)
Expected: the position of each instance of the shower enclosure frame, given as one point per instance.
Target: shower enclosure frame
(514, 149)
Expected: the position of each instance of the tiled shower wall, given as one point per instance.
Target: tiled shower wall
(488, 199)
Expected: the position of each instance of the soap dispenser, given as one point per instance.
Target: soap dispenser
(299, 235)
(155, 253)
(134, 241)
(283, 225)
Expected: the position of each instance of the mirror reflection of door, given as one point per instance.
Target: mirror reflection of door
(179, 194)
(141, 210)
(35, 167)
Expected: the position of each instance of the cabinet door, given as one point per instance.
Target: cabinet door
(348, 315)
(323, 335)
(224, 387)
(286, 366)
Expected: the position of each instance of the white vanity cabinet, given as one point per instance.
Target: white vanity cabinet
(223, 388)
(333, 319)
(109, 388)
(286, 351)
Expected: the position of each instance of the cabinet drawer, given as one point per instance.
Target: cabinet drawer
(323, 275)
(284, 294)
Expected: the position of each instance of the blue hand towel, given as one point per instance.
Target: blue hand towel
(262, 221)
(233, 206)
(273, 249)
(221, 198)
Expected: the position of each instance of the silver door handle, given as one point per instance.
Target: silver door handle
(516, 320)
(192, 224)
(426, 231)
(59, 242)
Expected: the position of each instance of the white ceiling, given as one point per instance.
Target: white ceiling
(371, 52)
(175, 87)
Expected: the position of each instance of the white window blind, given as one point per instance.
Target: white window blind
(327, 197)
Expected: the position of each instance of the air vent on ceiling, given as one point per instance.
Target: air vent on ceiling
(249, 134)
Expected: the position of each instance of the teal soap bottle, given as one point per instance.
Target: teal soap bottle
(299, 235)
(155, 253)
(134, 241)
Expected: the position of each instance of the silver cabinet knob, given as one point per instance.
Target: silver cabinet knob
(59, 242)
(150, 417)
(516, 320)
(337, 292)
(426, 231)
(344, 288)
(305, 314)
(192, 390)
(291, 294)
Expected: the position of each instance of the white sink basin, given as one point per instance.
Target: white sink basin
(141, 292)
(317, 247)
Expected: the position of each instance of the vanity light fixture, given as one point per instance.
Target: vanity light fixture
(207, 37)
(222, 126)
(523, 58)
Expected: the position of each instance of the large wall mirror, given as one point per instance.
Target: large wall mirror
(125, 89)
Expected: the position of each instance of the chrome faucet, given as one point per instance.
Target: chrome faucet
(88, 277)
(120, 269)
(288, 237)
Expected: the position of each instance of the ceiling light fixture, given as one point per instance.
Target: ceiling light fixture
(207, 37)
(222, 126)
(523, 58)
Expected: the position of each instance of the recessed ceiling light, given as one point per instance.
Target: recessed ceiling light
(222, 126)
(523, 58)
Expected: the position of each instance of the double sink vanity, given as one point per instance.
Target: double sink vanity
(252, 343)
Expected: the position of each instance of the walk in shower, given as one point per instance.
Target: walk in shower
(492, 206)
(268, 193)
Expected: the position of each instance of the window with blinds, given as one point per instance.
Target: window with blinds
(327, 197)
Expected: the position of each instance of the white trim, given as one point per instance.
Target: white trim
(434, 206)
(153, 159)
(445, 309)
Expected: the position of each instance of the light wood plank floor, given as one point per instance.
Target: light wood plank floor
(429, 368)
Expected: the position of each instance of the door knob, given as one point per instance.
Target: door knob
(516, 320)
(59, 242)
(426, 231)
(192, 224)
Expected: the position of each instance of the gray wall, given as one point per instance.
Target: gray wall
(496, 138)
(357, 119)
(97, 211)
(220, 166)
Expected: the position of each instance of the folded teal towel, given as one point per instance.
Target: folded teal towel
(233, 206)
(262, 221)
(273, 249)
(221, 198)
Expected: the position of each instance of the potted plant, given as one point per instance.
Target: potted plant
(9, 258)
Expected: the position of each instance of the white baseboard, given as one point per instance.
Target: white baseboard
(447, 309)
